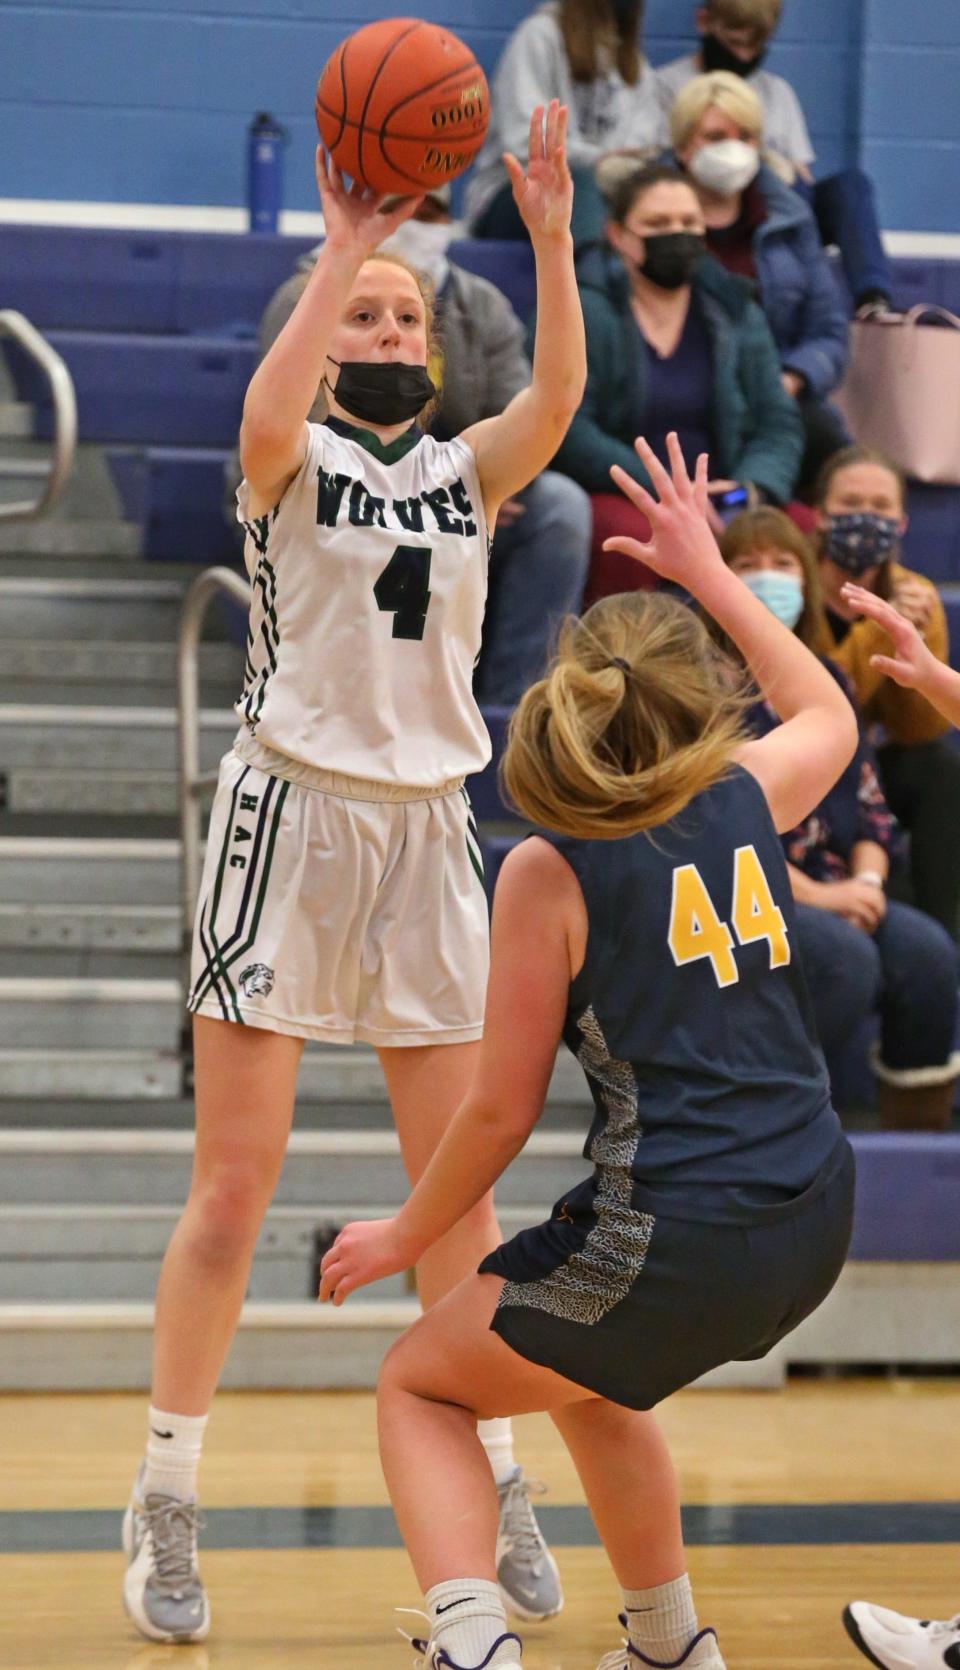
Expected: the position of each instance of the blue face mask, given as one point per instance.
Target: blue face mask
(782, 594)
(859, 540)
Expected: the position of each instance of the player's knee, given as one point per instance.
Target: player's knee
(393, 1377)
(226, 1211)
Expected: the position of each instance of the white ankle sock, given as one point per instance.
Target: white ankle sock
(466, 1617)
(173, 1454)
(497, 1439)
(662, 1621)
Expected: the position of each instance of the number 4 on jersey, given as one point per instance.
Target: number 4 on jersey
(696, 930)
(403, 590)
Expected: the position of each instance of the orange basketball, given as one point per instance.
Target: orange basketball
(402, 106)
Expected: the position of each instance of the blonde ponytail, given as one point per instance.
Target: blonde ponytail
(638, 713)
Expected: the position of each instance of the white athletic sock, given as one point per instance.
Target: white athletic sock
(466, 1617)
(662, 1621)
(173, 1454)
(497, 1439)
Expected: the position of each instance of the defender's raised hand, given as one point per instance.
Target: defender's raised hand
(681, 546)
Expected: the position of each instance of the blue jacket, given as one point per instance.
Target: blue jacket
(797, 290)
(757, 429)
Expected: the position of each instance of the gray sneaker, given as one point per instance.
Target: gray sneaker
(526, 1570)
(162, 1591)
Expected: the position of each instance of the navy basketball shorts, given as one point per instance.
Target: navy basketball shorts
(634, 1306)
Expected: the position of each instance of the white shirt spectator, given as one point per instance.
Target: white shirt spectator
(605, 114)
(784, 124)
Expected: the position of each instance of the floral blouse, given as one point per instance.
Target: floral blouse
(853, 810)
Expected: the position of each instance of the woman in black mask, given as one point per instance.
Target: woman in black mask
(673, 343)
(861, 500)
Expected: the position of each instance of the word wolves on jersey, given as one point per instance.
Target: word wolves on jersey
(364, 509)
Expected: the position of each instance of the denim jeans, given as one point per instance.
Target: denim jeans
(846, 212)
(538, 567)
(921, 781)
(907, 970)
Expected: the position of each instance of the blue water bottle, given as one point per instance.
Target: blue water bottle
(267, 138)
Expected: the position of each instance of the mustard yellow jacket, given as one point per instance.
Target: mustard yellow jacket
(905, 715)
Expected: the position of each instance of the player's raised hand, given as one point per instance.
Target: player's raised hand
(363, 1252)
(543, 192)
(353, 217)
(911, 663)
(681, 546)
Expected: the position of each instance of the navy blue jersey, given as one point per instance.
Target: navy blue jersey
(690, 1016)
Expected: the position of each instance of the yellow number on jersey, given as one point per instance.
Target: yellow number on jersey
(755, 916)
(695, 928)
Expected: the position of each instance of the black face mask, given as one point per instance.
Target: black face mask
(716, 56)
(671, 258)
(382, 392)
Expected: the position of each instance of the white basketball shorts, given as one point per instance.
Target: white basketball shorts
(340, 919)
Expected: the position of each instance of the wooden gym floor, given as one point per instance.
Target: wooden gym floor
(795, 1502)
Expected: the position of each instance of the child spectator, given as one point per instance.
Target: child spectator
(861, 951)
(757, 227)
(735, 36)
(586, 53)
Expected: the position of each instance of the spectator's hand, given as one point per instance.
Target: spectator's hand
(911, 664)
(544, 193)
(352, 219)
(681, 545)
(859, 902)
(363, 1252)
(794, 383)
(510, 511)
(914, 602)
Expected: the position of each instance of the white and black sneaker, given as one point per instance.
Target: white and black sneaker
(702, 1653)
(162, 1590)
(895, 1642)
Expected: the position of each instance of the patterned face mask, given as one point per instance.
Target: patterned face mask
(860, 540)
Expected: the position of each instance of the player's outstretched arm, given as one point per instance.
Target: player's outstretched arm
(536, 914)
(284, 386)
(912, 664)
(515, 446)
(796, 764)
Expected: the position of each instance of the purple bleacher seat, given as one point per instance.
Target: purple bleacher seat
(507, 265)
(906, 1196)
(168, 390)
(89, 278)
(932, 542)
(224, 280)
(483, 790)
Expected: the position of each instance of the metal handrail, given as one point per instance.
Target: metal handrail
(192, 781)
(64, 415)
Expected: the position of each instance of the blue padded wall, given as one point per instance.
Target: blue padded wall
(148, 100)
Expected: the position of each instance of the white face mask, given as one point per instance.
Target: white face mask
(424, 244)
(726, 167)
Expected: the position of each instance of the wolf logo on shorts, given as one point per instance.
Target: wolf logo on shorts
(257, 980)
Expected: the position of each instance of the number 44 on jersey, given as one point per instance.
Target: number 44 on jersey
(697, 931)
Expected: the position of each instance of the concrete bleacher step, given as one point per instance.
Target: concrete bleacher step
(122, 674)
(89, 872)
(329, 1168)
(91, 537)
(42, 736)
(68, 1253)
(16, 419)
(49, 605)
(56, 927)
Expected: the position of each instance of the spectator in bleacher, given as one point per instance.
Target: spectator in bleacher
(860, 950)
(735, 36)
(587, 54)
(541, 546)
(758, 228)
(673, 343)
(861, 500)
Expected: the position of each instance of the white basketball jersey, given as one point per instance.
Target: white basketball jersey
(369, 582)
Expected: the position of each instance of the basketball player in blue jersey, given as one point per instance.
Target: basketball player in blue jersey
(649, 925)
(342, 897)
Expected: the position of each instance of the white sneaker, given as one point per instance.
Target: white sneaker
(897, 1643)
(503, 1655)
(703, 1653)
(162, 1590)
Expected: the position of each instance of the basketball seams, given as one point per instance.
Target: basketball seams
(362, 130)
(430, 87)
(454, 142)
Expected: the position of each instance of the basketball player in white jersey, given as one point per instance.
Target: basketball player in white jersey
(342, 896)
